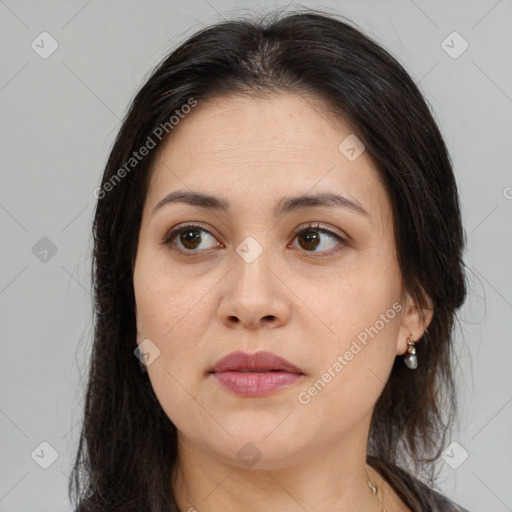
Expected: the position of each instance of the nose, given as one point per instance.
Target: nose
(254, 295)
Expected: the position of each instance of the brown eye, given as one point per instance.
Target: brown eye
(189, 238)
(312, 237)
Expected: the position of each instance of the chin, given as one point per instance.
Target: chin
(255, 446)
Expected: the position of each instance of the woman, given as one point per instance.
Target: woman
(277, 267)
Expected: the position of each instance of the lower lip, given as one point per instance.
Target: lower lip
(256, 384)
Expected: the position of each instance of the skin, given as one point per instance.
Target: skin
(291, 300)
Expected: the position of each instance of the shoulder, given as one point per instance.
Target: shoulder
(418, 496)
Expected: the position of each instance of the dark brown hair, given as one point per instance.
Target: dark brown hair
(128, 446)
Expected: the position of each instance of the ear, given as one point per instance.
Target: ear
(415, 321)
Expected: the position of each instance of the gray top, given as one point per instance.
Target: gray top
(415, 494)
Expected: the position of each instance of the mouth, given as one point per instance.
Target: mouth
(255, 375)
(257, 362)
(257, 371)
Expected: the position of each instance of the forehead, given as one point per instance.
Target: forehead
(257, 150)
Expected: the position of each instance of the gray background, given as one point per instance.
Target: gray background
(59, 118)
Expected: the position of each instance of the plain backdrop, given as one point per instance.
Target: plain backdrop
(59, 116)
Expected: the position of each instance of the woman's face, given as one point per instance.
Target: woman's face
(327, 299)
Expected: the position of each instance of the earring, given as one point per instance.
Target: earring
(410, 358)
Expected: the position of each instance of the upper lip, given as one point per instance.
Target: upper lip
(257, 361)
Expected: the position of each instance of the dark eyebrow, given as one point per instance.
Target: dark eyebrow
(291, 204)
(284, 206)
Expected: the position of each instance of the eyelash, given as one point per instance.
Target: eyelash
(168, 240)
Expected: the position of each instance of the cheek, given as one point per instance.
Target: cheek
(352, 372)
(356, 300)
(175, 320)
(176, 325)
(363, 314)
(173, 312)
(169, 306)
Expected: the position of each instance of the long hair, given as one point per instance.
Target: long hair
(128, 446)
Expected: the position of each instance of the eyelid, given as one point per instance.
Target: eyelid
(320, 227)
(192, 224)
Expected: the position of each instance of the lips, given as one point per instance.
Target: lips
(257, 362)
(255, 375)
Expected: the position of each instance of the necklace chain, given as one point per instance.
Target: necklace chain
(375, 491)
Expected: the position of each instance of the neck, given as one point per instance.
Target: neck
(329, 479)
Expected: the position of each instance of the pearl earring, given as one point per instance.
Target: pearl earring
(410, 358)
